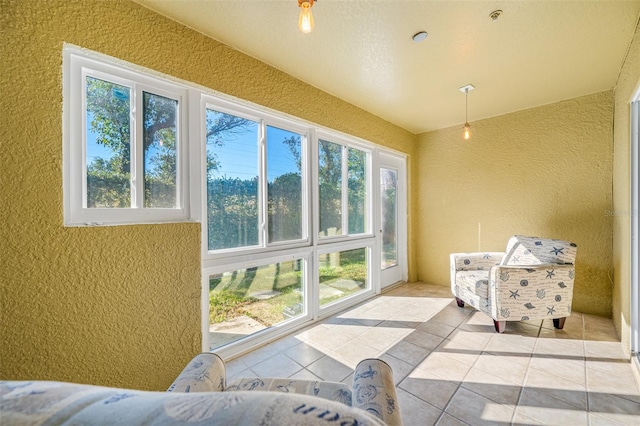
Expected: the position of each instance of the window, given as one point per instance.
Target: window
(255, 181)
(285, 206)
(255, 298)
(284, 185)
(125, 144)
(342, 274)
(342, 189)
(233, 214)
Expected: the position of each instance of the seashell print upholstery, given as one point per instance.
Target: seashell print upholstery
(532, 280)
(523, 250)
(373, 387)
(58, 403)
(200, 396)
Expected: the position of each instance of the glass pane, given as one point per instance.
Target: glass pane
(232, 181)
(108, 139)
(342, 274)
(357, 173)
(246, 301)
(159, 150)
(388, 191)
(330, 188)
(284, 179)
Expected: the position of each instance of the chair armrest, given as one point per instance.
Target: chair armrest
(475, 261)
(531, 291)
(204, 373)
(472, 262)
(374, 391)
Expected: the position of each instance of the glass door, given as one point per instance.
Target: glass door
(393, 226)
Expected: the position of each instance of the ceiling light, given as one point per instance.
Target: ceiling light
(467, 126)
(305, 20)
(421, 36)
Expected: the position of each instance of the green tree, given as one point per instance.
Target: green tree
(232, 209)
(285, 201)
(330, 185)
(109, 119)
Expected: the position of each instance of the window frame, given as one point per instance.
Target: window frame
(346, 143)
(191, 183)
(372, 275)
(262, 336)
(78, 64)
(263, 119)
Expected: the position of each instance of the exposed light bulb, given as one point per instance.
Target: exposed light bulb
(305, 21)
(467, 127)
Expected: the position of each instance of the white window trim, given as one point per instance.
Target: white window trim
(263, 119)
(346, 142)
(234, 348)
(372, 275)
(77, 64)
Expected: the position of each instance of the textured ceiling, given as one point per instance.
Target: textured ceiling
(537, 52)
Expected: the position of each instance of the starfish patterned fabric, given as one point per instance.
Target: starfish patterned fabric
(200, 396)
(522, 250)
(532, 280)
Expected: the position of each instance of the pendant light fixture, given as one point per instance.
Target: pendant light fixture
(467, 126)
(305, 20)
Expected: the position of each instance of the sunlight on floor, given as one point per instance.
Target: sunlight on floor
(451, 367)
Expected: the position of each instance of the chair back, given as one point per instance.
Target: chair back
(523, 250)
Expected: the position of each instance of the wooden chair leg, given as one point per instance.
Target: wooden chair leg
(460, 302)
(500, 325)
(559, 322)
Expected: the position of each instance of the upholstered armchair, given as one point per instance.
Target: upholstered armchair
(373, 389)
(532, 280)
(201, 396)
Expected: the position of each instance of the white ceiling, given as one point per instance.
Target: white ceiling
(537, 52)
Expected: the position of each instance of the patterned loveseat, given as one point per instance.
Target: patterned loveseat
(200, 396)
(532, 280)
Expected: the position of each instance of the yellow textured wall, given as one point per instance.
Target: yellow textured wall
(628, 83)
(544, 171)
(115, 306)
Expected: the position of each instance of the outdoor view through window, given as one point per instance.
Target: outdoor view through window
(244, 301)
(109, 130)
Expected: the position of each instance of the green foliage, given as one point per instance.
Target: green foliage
(231, 293)
(232, 212)
(356, 190)
(108, 106)
(285, 207)
(226, 304)
(109, 115)
(330, 185)
(107, 185)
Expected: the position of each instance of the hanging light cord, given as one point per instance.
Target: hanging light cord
(466, 105)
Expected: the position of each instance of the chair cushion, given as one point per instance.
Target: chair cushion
(332, 391)
(35, 403)
(522, 250)
(476, 282)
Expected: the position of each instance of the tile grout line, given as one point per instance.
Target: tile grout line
(526, 376)
(446, 406)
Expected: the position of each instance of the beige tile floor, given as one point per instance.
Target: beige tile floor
(451, 368)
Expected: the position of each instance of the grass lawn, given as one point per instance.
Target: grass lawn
(264, 292)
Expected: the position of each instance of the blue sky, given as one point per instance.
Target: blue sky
(238, 156)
